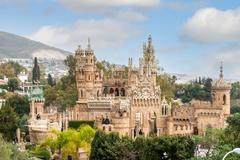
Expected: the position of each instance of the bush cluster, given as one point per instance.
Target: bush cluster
(111, 146)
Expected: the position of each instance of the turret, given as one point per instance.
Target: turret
(79, 57)
(89, 80)
(90, 57)
(221, 93)
(148, 63)
(129, 63)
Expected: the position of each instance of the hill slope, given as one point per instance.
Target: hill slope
(14, 46)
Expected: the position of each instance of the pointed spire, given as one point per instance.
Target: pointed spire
(89, 43)
(150, 40)
(144, 46)
(221, 70)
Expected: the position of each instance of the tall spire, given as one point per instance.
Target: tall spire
(150, 40)
(89, 43)
(221, 70)
(144, 46)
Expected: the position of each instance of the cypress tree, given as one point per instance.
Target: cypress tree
(35, 72)
(50, 80)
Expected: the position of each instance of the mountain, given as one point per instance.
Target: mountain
(14, 46)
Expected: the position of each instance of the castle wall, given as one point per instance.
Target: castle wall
(209, 118)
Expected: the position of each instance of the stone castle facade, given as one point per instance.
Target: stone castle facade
(129, 101)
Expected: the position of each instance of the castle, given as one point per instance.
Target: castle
(129, 101)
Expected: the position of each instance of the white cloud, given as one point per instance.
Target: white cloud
(209, 62)
(210, 25)
(128, 16)
(101, 5)
(104, 34)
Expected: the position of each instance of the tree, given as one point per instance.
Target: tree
(41, 152)
(67, 98)
(5, 150)
(20, 104)
(50, 80)
(111, 146)
(36, 72)
(218, 141)
(70, 62)
(13, 84)
(11, 69)
(68, 142)
(50, 94)
(63, 94)
(199, 90)
(8, 123)
(233, 130)
(103, 146)
(167, 84)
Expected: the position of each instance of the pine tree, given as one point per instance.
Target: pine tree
(50, 80)
(36, 72)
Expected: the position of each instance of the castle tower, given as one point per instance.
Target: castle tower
(89, 80)
(221, 94)
(149, 61)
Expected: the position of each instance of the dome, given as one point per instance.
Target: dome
(36, 95)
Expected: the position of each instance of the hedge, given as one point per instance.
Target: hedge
(77, 124)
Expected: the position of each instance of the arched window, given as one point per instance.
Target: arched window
(176, 128)
(181, 127)
(123, 92)
(89, 77)
(116, 92)
(165, 110)
(91, 60)
(162, 110)
(111, 90)
(224, 99)
(81, 93)
(104, 128)
(98, 93)
(86, 60)
(105, 91)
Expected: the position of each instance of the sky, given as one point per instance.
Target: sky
(189, 36)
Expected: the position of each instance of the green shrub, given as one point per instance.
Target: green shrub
(41, 152)
(111, 146)
(77, 124)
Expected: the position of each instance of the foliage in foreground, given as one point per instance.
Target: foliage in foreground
(77, 124)
(13, 115)
(111, 146)
(9, 151)
(220, 141)
(66, 143)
